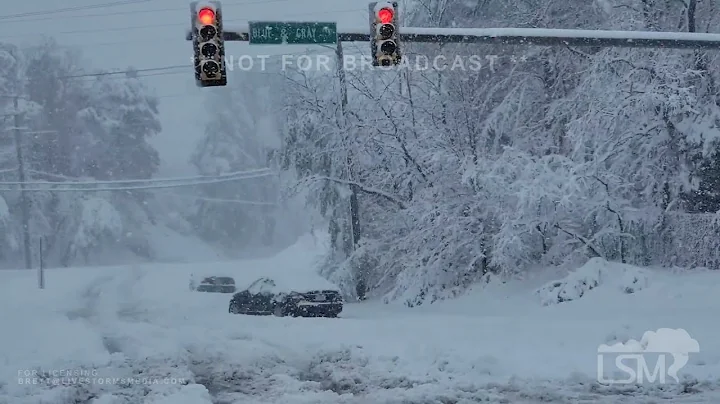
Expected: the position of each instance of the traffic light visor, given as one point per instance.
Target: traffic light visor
(386, 15)
(206, 16)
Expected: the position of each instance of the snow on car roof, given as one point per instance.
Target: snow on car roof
(284, 281)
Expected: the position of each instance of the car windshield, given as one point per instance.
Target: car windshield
(262, 286)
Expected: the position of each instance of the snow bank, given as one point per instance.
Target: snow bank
(595, 273)
(84, 337)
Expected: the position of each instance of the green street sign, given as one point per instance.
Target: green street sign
(292, 33)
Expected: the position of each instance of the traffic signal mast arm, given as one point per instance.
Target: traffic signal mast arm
(386, 37)
(524, 36)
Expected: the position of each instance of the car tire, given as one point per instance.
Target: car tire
(279, 312)
(232, 309)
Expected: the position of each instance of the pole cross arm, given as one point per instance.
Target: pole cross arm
(527, 36)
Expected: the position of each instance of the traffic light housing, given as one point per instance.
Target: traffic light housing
(208, 44)
(384, 35)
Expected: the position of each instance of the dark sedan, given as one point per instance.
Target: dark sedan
(263, 297)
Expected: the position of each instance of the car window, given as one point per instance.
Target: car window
(262, 286)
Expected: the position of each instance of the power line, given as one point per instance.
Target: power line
(125, 72)
(162, 70)
(138, 187)
(223, 200)
(88, 31)
(107, 5)
(186, 9)
(69, 9)
(136, 181)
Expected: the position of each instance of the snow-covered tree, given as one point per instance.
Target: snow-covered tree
(242, 134)
(547, 156)
(81, 128)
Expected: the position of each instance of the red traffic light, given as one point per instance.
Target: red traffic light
(386, 15)
(206, 16)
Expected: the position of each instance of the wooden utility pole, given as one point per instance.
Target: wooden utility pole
(354, 204)
(24, 200)
(355, 233)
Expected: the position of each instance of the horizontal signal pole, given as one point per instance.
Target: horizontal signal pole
(529, 36)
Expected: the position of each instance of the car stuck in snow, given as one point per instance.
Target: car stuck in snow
(269, 296)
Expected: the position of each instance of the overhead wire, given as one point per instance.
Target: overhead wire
(175, 24)
(132, 188)
(223, 200)
(163, 70)
(75, 8)
(136, 181)
(169, 179)
(259, 173)
(226, 4)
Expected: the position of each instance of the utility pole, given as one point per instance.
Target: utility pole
(354, 204)
(24, 200)
(354, 191)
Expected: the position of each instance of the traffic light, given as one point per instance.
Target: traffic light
(208, 44)
(384, 44)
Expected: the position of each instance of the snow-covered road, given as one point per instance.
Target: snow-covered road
(499, 345)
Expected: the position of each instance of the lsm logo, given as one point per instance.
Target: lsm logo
(632, 358)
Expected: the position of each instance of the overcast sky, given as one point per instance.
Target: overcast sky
(150, 34)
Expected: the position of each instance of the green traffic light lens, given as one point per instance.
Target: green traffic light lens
(211, 68)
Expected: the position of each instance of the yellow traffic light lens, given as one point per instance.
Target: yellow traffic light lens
(208, 32)
(386, 31)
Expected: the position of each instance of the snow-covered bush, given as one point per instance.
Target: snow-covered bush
(595, 273)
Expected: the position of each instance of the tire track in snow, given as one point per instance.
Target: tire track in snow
(111, 307)
(108, 299)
